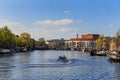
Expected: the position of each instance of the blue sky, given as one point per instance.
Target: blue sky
(60, 18)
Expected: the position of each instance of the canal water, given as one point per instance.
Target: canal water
(44, 65)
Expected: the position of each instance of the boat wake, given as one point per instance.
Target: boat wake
(51, 63)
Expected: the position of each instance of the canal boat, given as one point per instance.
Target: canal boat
(101, 53)
(72, 49)
(114, 52)
(24, 50)
(5, 51)
(114, 56)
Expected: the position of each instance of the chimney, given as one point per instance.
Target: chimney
(77, 35)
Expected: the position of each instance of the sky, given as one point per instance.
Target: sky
(56, 19)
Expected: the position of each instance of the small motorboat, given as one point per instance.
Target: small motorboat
(62, 59)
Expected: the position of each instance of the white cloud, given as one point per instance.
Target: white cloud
(63, 22)
(45, 22)
(54, 22)
(67, 11)
(7, 22)
(50, 32)
(14, 26)
(64, 31)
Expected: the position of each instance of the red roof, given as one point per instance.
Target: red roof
(75, 39)
(88, 37)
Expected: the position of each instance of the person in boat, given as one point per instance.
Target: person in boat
(63, 57)
(93, 52)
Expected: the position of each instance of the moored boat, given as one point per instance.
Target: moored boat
(101, 53)
(114, 56)
(5, 51)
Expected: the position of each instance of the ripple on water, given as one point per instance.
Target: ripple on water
(43, 65)
(51, 63)
(55, 63)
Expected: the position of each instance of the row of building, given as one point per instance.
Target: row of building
(87, 41)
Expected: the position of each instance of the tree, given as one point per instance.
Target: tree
(25, 35)
(41, 42)
(99, 42)
(21, 41)
(7, 38)
(25, 40)
(10, 40)
(118, 38)
(107, 42)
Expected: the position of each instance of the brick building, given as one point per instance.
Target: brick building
(86, 41)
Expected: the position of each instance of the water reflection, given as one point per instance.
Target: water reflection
(43, 65)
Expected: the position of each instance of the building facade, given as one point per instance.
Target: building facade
(86, 41)
(56, 43)
(113, 45)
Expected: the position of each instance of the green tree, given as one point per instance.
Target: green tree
(25, 35)
(21, 41)
(41, 42)
(7, 38)
(26, 40)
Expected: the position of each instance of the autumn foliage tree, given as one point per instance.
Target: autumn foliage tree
(99, 42)
(118, 38)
